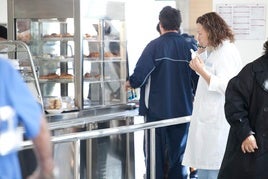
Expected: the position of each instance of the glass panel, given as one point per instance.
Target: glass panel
(103, 52)
(52, 46)
(104, 63)
(113, 92)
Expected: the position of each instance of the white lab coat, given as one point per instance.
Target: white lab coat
(209, 129)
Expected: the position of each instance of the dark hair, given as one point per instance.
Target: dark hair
(170, 18)
(158, 28)
(216, 27)
(3, 32)
(265, 47)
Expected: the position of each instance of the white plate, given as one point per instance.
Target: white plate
(54, 111)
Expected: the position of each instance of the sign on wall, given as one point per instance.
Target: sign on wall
(246, 20)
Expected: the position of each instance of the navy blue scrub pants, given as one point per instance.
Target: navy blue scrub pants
(171, 139)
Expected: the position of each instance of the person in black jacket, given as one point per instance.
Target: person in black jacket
(3, 33)
(246, 110)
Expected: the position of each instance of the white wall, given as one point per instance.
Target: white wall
(3, 11)
(141, 20)
(249, 49)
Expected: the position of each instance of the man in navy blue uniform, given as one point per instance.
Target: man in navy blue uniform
(167, 85)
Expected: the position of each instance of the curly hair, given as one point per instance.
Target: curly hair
(216, 27)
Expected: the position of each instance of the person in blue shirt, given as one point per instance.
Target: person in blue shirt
(18, 107)
(167, 85)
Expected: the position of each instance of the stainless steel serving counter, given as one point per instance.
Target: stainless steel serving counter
(90, 116)
(91, 158)
(109, 153)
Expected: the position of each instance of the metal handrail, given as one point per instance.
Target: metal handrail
(79, 121)
(77, 136)
(22, 44)
(112, 131)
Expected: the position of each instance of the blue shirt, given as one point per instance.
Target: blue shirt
(16, 96)
(165, 64)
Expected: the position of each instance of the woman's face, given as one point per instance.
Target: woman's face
(202, 35)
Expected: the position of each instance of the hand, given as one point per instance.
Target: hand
(127, 85)
(249, 144)
(39, 174)
(197, 64)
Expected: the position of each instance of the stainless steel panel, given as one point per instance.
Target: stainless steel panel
(43, 9)
(67, 155)
(64, 157)
(111, 157)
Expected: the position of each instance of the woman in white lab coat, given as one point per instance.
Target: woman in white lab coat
(216, 65)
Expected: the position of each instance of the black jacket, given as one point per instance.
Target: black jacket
(246, 109)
